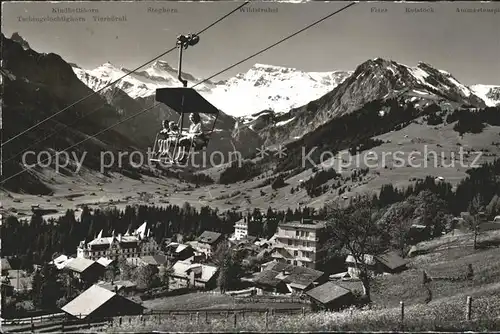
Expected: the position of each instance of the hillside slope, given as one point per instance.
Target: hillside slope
(36, 86)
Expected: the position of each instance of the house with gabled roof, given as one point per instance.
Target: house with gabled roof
(105, 262)
(207, 242)
(61, 261)
(296, 279)
(266, 281)
(84, 269)
(388, 262)
(97, 302)
(195, 274)
(177, 251)
(330, 296)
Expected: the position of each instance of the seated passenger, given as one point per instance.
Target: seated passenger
(195, 136)
(165, 124)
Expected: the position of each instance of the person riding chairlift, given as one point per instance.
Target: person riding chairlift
(170, 131)
(195, 136)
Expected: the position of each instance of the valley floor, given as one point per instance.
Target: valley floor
(98, 191)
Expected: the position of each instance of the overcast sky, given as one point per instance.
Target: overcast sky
(465, 44)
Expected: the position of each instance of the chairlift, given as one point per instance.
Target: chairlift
(167, 149)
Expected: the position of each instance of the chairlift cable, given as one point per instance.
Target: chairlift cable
(117, 80)
(275, 44)
(226, 69)
(88, 138)
(64, 126)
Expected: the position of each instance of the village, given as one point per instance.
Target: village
(290, 263)
(290, 266)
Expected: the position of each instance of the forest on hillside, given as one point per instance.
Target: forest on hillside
(354, 132)
(38, 240)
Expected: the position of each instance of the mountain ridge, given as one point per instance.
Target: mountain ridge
(297, 102)
(223, 94)
(375, 79)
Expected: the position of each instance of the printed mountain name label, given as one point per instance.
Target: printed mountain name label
(378, 10)
(162, 10)
(259, 10)
(419, 10)
(111, 18)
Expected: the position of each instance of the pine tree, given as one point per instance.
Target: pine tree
(36, 290)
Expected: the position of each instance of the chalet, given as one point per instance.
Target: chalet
(207, 242)
(330, 296)
(418, 232)
(210, 238)
(286, 278)
(104, 261)
(301, 279)
(61, 261)
(84, 269)
(177, 252)
(388, 262)
(391, 262)
(266, 281)
(195, 274)
(97, 302)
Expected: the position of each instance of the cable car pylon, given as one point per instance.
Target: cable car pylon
(183, 100)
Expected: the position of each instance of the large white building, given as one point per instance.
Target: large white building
(136, 244)
(240, 229)
(300, 243)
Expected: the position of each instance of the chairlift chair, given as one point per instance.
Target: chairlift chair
(184, 101)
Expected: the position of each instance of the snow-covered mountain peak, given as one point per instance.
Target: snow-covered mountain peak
(271, 87)
(142, 83)
(163, 65)
(107, 69)
(160, 69)
(272, 68)
(390, 77)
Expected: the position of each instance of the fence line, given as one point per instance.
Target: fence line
(233, 317)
